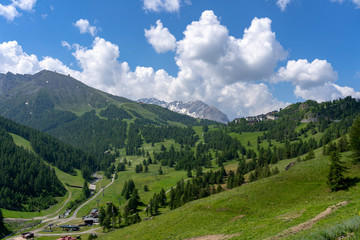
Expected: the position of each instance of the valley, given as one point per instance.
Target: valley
(169, 176)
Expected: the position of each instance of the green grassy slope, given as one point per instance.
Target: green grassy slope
(65, 178)
(256, 210)
(22, 142)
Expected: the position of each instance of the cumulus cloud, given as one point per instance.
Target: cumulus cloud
(160, 38)
(214, 67)
(326, 92)
(162, 5)
(314, 80)
(14, 59)
(100, 65)
(10, 11)
(85, 27)
(209, 52)
(307, 75)
(226, 72)
(282, 4)
(26, 5)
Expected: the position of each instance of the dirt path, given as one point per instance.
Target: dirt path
(214, 237)
(308, 224)
(69, 233)
(92, 198)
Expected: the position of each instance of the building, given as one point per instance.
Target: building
(94, 213)
(66, 238)
(27, 235)
(271, 117)
(90, 221)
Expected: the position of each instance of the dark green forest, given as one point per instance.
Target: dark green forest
(26, 182)
(64, 156)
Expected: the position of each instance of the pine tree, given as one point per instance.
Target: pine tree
(343, 144)
(86, 190)
(1, 220)
(162, 197)
(106, 223)
(199, 171)
(102, 215)
(119, 219)
(189, 174)
(354, 134)
(161, 171)
(336, 180)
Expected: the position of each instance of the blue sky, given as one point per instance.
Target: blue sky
(244, 57)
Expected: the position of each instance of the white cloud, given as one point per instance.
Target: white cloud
(314, 80)
(14, 59)
(160, 38)
(26, 5)
(99, 64)
(282, 4)
(307, 75)
(10, 12)
(355, 2)
(326, 92)
(53, 64)
(85, 27)
(214, 67)
(65, 44)
(162, 5)
(208, 52)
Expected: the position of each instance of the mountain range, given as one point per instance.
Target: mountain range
(77, 114)
(247, 165)
(196, 109)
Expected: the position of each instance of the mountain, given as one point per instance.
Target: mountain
(27, 183)
(196, 109)
(266, 180)
(47, 90)
(77, 114)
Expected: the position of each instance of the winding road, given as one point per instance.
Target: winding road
(58, 221)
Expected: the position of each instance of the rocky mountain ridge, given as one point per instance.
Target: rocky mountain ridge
(196, 109)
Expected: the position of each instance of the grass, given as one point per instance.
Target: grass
(22, 142)
(154, 181)
(257, 210)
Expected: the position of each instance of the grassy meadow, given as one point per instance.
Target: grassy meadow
(260, 209)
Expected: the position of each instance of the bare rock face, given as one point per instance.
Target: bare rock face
(196, 109)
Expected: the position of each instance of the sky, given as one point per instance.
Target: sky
(244, 57)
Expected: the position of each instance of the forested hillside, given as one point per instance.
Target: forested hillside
(26, 182)
(77, 114)
(61, 155)
(283, 173)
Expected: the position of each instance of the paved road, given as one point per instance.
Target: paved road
(58, 221)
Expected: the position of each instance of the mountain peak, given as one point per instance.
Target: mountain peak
(196, 109)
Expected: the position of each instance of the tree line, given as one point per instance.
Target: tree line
(57, 153)
(26, 183)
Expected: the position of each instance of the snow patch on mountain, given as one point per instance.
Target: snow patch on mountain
(196, 109)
